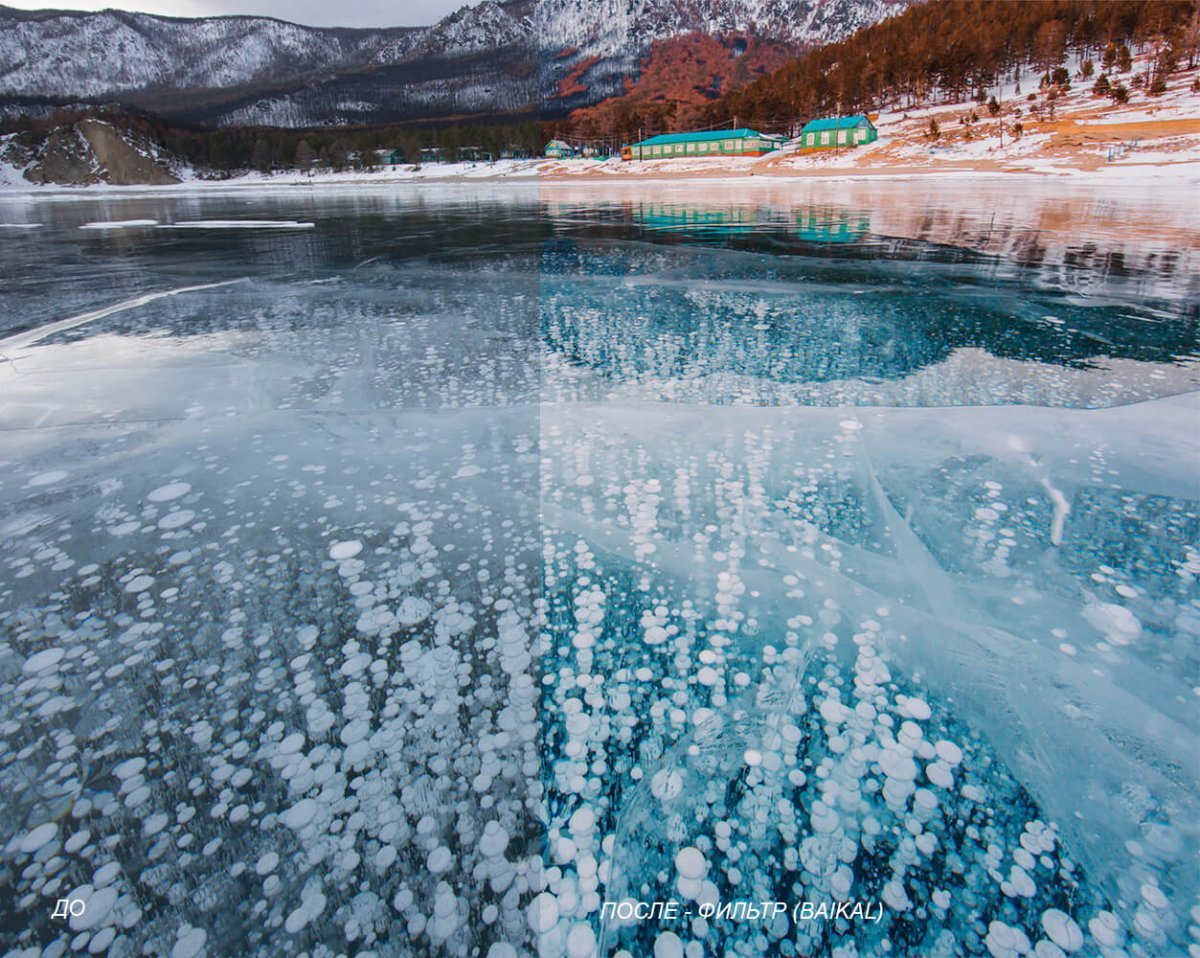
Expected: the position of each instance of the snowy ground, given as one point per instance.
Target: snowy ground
(1077, 142)
(12, 181)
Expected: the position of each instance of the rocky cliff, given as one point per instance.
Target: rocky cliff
(87, 152)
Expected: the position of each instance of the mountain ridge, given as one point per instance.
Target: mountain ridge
(493, 57)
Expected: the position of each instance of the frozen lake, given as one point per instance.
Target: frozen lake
(414, 571)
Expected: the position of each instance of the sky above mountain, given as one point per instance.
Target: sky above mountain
(316, 13)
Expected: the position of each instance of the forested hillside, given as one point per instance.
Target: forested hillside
(228, 150)
(953, 49)
(935, 52)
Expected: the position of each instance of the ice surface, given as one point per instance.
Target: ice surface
(267, 654)
(117, 224)
(822, 650)
(415, 583)
(238, 225)
(976, 674)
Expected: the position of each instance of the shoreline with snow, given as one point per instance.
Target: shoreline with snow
(1083, 140)
(1070, 134)
(556, 173)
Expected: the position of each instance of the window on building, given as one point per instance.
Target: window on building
(841, 136)
(728, 146)
(825, 139)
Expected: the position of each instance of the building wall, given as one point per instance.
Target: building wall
(735, 146)
(835, 139)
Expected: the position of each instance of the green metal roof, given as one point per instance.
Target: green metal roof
(702, 136)
(835, 123)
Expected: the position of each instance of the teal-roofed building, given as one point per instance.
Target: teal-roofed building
(390, 157)
(559, 150)
(739, 142)
(837, 131)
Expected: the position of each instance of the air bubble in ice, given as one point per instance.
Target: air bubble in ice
(35, 838)
(347, 549)
(172, 490)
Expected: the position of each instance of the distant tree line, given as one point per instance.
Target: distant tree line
(224, 151)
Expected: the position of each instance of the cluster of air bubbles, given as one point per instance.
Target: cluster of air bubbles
(365, 651)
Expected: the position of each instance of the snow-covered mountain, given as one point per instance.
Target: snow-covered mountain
(497, 56)
(228, 70)
(607, 38)
(81, 55)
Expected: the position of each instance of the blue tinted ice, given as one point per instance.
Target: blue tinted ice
(418, 582)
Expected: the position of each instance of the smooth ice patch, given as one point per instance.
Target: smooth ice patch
(238, 225)
(47, 478)
(117, 224)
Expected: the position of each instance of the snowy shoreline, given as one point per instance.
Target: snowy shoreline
(527, 174)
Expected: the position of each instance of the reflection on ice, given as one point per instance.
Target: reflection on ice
(702, 322)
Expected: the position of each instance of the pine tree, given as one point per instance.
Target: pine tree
(305, 155)
(260, 157)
